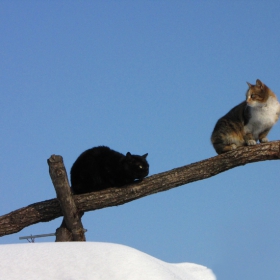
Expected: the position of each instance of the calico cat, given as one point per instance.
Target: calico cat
(247, 122)
(100, 168)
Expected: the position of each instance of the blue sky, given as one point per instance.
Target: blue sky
(145, 77)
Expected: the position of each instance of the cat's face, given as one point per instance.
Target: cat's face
(257, 95)
(137, 166)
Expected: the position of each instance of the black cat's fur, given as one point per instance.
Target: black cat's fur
(100, 168)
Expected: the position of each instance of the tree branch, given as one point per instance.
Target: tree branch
(72, 217)
(48, 210)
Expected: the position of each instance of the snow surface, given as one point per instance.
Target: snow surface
(90, 260)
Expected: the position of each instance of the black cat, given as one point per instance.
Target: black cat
(100, 168)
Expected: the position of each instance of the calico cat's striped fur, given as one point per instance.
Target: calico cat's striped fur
(247, 122)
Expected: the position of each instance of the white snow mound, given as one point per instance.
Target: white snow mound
(90, 260)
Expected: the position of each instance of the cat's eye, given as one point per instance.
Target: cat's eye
(140, 166)
(253, 96)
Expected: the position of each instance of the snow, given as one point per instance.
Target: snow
(90, 260)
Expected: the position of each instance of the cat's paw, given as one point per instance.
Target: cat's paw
(264, 140)
(228, 148)
(233, 146)
(251, 142)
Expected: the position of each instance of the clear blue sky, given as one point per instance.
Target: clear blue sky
(145, 77)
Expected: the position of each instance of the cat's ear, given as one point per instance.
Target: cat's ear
(249, 84)
(259, 83)
(128, 155)
(144, 156)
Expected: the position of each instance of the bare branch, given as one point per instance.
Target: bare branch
(50, 209)
(72, 218)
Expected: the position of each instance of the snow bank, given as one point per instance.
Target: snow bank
(90, 260)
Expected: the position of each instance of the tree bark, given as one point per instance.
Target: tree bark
(50, 209)
(63, 234)
(72, 218)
